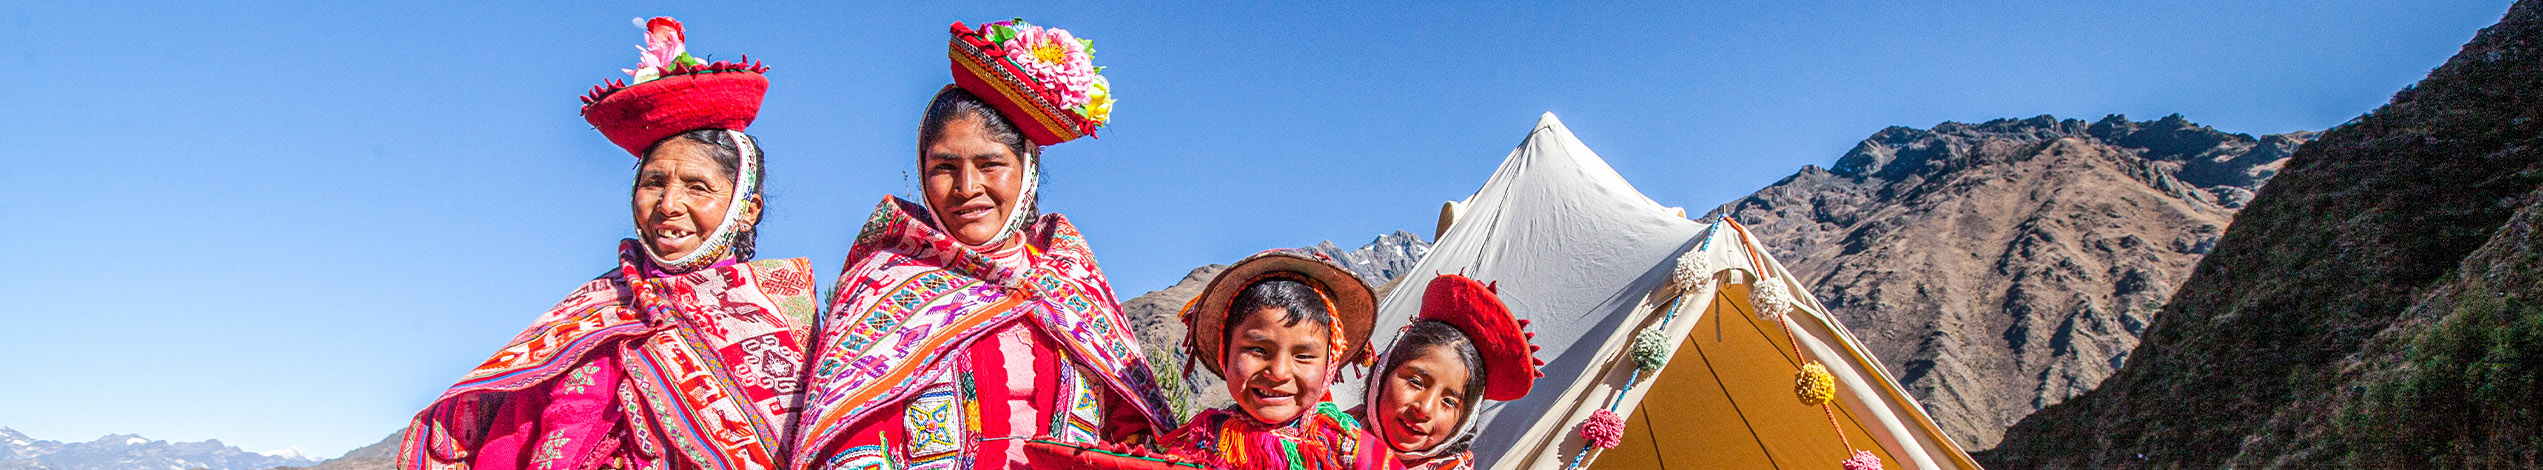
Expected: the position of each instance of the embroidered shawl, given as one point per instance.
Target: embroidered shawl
(710, 364)
(910, 296)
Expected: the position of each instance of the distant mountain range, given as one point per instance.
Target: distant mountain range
(2001, 267)
(2379, 305)
(131, 452)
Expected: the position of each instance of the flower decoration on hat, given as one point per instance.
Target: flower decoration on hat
(1043, 78)
(670, 92)
(1509, 357)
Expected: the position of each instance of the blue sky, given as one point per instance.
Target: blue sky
(294, 224)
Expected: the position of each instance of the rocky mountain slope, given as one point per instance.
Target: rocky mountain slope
(1153, 314)
(130, 452)
(2379, 305)
(1381, 260)
(2001, 267)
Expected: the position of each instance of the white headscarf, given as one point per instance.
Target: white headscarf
(720, 243)
(1467, 426)
(1017, 217)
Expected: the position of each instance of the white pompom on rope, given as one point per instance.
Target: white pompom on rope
(1692, 271)
(1770, 296)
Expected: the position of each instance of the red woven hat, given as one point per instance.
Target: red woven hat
(674, 93)
(1509, 358)
(1041, 78)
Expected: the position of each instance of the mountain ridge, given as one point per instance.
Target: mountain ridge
(2004, 266)
(131, 452)
(2379, 305)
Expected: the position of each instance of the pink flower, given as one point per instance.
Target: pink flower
(665, 42)
(1055, 59)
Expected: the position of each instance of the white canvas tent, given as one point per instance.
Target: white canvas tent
(1587, 258)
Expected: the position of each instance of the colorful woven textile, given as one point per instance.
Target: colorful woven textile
(702, 370)
(911, 298)
(1323, 439)
(1454, 455)
(1459, 460)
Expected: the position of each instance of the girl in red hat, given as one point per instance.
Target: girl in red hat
(967, 323)
(1463, 348)
(688, 354)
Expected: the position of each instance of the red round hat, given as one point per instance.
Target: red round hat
(1509, 358)
(1041, 78)
(638, 116)
(674, 93)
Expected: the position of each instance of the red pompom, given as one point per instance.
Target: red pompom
(1604, 429)
(1863, 460)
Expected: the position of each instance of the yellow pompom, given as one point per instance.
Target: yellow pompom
(1814, 384)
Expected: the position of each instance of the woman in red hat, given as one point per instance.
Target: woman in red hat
(1464, 347)
(967, 323)
(688, 354)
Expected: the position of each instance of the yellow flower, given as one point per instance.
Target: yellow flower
(1099, 103)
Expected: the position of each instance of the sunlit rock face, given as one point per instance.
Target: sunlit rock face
(2001, 267)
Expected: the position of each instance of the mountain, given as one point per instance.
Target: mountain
(131, 452)
(1381, 260)
(377, 456)
(1154, 314)
(2005, 266)
(2378, 305)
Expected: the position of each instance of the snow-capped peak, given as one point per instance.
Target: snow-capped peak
(292, 452)
(135, 441)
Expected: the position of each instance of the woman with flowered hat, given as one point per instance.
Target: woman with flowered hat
(1463, 347)
(967, 323)
(688, 353)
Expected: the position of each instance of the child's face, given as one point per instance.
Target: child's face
(1422, 400)
(1276, 372)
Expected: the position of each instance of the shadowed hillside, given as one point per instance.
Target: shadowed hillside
(2375, 306)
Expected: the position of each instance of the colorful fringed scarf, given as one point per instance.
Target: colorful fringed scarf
(703, 367)
(911, 296)
(1322, 439)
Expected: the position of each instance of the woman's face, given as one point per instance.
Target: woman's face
(681, 196)
(1277, 371)
(971, 180)
(1422, 400)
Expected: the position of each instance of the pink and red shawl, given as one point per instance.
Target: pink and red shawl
(911, 298)
(698, 370)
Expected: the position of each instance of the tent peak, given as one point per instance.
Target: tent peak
(1547, 120)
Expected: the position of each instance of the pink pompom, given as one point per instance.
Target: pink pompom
(1863, 460)
(1604, 429)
